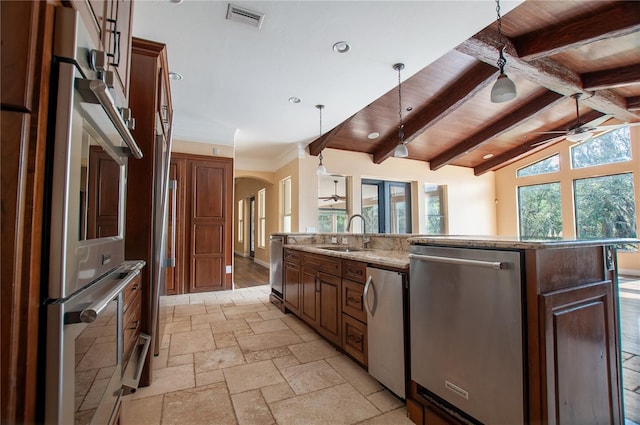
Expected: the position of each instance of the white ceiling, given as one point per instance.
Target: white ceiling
(238, 78)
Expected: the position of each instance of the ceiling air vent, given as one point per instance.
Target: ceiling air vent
(240, 14)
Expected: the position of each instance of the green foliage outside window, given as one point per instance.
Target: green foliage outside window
(540, 211)
(547, 165)
(611, 147)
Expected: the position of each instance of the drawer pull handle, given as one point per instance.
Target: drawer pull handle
(354, 300)
(354, 339)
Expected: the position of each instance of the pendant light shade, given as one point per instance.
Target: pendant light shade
(321, 170)
(503, 89)
(401, 151)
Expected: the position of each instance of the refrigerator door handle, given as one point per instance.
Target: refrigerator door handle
(369, 286)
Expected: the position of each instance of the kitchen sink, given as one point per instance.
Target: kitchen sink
(342, 248)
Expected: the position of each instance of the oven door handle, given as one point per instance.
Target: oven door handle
(96, 91)
(89, 314)
(459, 261)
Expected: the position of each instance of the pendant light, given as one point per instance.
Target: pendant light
(321, 170)
(401, 150)
(503, 89)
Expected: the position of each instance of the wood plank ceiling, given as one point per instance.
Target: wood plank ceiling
(554, 49)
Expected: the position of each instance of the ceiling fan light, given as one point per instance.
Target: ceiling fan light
(579, 137)
(503, 90)
(401, 151)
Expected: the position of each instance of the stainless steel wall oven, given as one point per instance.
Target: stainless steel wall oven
(90, 144)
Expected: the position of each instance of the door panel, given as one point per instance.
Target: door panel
(209, 188)
(104, 190)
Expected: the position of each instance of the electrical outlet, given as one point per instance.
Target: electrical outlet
(334, 240)
(345, 241)
(228, 269)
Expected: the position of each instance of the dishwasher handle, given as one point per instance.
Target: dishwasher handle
(497, 265)
(367, 287)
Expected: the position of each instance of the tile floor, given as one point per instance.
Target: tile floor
(233, 358)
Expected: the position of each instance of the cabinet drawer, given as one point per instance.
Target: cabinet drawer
(323, 263)
(354, 339)
(352, 300)
(354, 270)
(292, 256)
(132, 289)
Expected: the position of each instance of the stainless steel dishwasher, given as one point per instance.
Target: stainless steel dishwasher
(276, 243)
(383, 301)
(465, 319)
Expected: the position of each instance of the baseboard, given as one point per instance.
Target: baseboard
(262, 263)
(628, 272)
(241, 254)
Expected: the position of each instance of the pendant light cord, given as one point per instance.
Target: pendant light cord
(399, 67)
(501, 60)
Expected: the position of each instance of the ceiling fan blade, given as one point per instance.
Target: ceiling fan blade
(548, 141)
(549, 132)
(615, 126)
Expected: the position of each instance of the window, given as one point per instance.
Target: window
(262, 219)
(241, 220)
(605, 207)
(286, 204)
(435, 209)
(386, 206)
(547, 165)
(608, 148)
(540, 210)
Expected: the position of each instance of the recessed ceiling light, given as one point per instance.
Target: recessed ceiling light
(409, 108)
(373, 135)
(175, 76)
(487, 156)
(294, 99)
(341, 47)
(176, 1)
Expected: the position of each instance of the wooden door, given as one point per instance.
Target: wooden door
(330, 307)
(211, 197)
(581, 334)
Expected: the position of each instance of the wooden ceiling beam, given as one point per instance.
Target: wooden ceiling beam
(442, 104)
(610, 78)
(321, 142)
(614, 20)
(516, 153)
(505, 123)
(633, 103)
(544, 72)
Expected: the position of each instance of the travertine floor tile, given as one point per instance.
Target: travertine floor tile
(218, 359)
(201, 321)
(225, 339)
(385, 401)
(355, 375)
(177, 326)
(190, 342)
(268, 340)
(189, 309)
(286, 361)
(265, 326)
(167, 380)
(202, 405)
(277, 392)
(297, 325)
(314, 350)
(180, 360)
(312, 376)
(147, 411)
(249, 308)
(336, 405)
(211, 377)
(271, 353)
(271, 314)
(228, 326)
(251, 409)
(252, 376)
(160, 361)
(395, 417)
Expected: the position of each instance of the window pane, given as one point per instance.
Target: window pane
(332, 221)
(370, 206)
(539, 210)
(435, 211)
(262, 239)
(611, 147)
(548, 165)
(398, 198)
(286, 196)
(605, 207)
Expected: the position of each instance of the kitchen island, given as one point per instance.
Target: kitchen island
(567, 324)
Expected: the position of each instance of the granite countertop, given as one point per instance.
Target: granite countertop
(514, 242)
(381, 257)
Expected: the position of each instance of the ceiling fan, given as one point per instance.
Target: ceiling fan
(335, 197)
(581, 132)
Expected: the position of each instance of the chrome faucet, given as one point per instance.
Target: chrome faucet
(365, 239)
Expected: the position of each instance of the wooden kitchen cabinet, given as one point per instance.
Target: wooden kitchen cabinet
(354, 339)
(330, 307)
(291, 281)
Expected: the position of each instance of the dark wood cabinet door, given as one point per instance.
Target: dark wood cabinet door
(354, 339)
(210, 228)
(580, 335)
(291, 278)
(330, 307)
(118, 45)
(308, 297)
(352, 300)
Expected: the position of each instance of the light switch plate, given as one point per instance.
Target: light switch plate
(228, 269)
(334, 240)
(345, 241)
